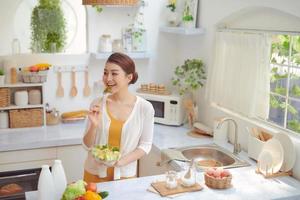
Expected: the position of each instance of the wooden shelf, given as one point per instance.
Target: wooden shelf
(182, 30)
(12, 107)
(133, 55)
(21, 85)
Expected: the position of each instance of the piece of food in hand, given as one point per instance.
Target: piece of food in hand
(89, 195)
(106, 153)
(107, 90)
(74, 114)
(74, 190)
(91, 187)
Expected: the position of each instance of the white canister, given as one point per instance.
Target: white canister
(105, 44)
(21, 98)
(35, 97)
(220, 134)
(3, 119)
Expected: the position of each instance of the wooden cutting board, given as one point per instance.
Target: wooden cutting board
(161, 188)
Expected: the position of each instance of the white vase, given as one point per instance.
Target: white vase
(59, 178)
(46, 190)
(2, 79)
(173, 19)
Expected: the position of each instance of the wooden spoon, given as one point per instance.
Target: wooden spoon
(60, 89)
(86, 89)
(73, 92)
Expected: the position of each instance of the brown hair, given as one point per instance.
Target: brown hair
(126, 63)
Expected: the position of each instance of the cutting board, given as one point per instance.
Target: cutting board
(161, 188)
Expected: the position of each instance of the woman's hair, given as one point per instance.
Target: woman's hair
(126, 63)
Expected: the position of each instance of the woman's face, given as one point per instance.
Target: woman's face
(115, 78)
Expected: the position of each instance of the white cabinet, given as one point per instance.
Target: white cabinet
(72, 157)
(40, 119)
(149, 164)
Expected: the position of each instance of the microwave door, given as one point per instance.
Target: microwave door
(159, 108)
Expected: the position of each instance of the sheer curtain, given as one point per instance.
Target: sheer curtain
(239, 77)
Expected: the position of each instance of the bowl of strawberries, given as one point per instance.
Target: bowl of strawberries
(218, 178)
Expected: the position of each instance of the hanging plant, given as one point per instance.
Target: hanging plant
(48, 27)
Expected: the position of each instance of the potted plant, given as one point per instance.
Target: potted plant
(187, 17)
(48, 27)
(173, 19)
(2, 77)
(188, 78)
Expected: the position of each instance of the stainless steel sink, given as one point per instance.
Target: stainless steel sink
(212, 156)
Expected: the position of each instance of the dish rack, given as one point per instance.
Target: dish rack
(270, 174)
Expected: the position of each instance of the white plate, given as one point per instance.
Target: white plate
(274, 147)
(289, 150)
(265, 161)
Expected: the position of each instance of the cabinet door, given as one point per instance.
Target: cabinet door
(72, 158)
(149, 164)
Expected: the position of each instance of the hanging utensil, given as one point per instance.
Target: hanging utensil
(86, 89)
(60, 89)
(73, 92)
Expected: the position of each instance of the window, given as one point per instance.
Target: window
(285, 82)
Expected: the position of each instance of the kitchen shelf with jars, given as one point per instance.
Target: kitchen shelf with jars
(22, 105)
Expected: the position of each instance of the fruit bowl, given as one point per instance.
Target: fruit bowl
(105, 154)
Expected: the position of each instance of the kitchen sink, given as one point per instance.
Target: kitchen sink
(212, 155)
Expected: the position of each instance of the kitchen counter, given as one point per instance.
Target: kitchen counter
(71, 134)
(247, 185)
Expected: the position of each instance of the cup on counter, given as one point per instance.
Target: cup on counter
(171, 179)
(21, 98)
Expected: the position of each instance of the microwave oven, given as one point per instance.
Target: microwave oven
(168, 108)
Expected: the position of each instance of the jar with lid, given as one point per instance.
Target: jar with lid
(171, 179)
(35, 97)
(105, 43)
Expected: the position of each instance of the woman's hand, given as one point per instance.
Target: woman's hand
(95, 115)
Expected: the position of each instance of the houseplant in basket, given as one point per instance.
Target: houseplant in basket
(2, 77)
(188, 78)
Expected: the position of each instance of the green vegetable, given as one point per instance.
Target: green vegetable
(74, 190)
(103, 194)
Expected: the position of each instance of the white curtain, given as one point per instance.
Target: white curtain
(240, 75)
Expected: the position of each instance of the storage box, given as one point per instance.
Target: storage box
(26, 118)
(255, 145)
(4, 97)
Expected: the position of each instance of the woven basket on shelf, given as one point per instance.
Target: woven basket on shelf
(4, 97)
(109, 2)
(26, 118)
(218, 183)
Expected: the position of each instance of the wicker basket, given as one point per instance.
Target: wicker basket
(4, 97)
(34, 77)
(217, 183)
(26, 118)
(110, 2)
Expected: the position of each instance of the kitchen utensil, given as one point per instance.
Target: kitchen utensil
(21, 98)
(164, 191)
(60, 89)
(86, 89)
(289, 151)
(73, 92)
(13, 75)
(189, 173)
(265, 162)
(274, 147)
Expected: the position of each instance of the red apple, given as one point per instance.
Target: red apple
(33, 69)
(91, 187)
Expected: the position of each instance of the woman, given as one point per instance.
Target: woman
(118, 119)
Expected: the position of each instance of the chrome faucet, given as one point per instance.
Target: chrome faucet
(236, 145)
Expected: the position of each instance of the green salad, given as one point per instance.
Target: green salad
(106, 153)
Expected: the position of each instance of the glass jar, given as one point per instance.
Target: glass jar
(105, 44)
(171, 179)
(117, 45)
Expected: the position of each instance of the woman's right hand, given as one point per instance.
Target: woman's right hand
(95, 115)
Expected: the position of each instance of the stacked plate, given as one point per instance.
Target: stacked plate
(278, 154)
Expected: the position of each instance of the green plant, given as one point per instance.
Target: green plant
(48, 26)
(172, 5)
(187, 15)
(98, 8)
(1, 72)
(189, 76)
